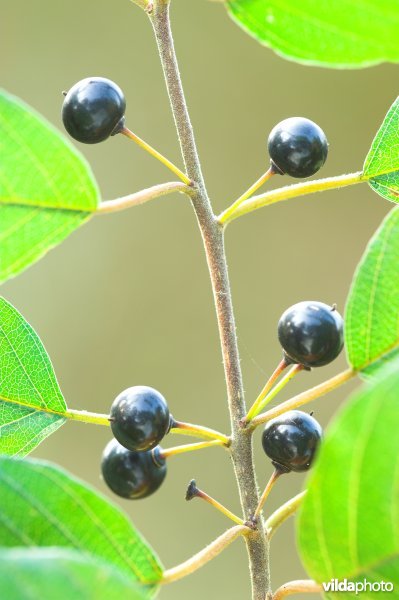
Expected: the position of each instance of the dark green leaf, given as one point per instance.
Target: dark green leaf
(372, 310)
(46, 187)
(382, 162)
(31, 403)
(54, 573)
(349, 522)
(340, 34)
(42, 505)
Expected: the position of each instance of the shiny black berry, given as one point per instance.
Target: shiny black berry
(311, 333)
(291, 440)
(140, 418)
(297, 147)
(132, 475)
(94, 109)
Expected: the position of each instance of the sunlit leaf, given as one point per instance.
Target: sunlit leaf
(42, 505)
(46, 187)
(372, 310)
(49, 573)
(31, 402)
(382, 162)
(349, 522)
(339, 34)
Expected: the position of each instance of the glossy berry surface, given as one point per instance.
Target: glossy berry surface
(139, 418)
(93, 109)
(297, 147)
(131, 475)
(311, 333)
(291, 440)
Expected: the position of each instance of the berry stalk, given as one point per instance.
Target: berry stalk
(269, 486)
(250, 191)
(263, 400)
(168, 452)
(194, 492)
(178, 427)
(256, 407)
(140, 142)
(305, 397)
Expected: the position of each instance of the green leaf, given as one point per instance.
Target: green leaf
(31, 403)
(339, 34)
(372, 310)
(349, 522)
(49, 573)
(46, 187)
(42, 505)
(382, 162)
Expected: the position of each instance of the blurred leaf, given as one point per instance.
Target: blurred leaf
(29, 392)
(349, 522)
(372, 310)
(42, 505)
(49, 573)
(382, 162)
(339, 34)
(46, 187)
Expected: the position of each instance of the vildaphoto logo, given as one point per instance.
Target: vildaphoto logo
(335, 585)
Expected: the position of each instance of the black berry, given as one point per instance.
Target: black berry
(297, 147)
(132, 475)
(311, 333)
(140, 418)
(93, 109)
(291, 440)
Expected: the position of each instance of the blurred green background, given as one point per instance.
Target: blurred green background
(126, 299)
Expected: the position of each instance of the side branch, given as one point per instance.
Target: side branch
(300, 586)
(199, 560)
(291, 191)
(282, 514)
(304, 397)
(110, 206)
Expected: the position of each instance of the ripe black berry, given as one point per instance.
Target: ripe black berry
(132, 475)
(297, 147)
(140, 418)
(311, 333)
(291, 440)
(94, 109)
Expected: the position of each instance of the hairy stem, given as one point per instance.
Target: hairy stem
(212, 234)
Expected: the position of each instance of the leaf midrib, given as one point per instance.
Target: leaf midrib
(22, 203)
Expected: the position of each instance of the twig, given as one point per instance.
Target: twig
(199, 560)
(299, 586)
(110, 206)
(212, 235)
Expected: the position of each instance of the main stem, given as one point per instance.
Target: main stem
(212, 235)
